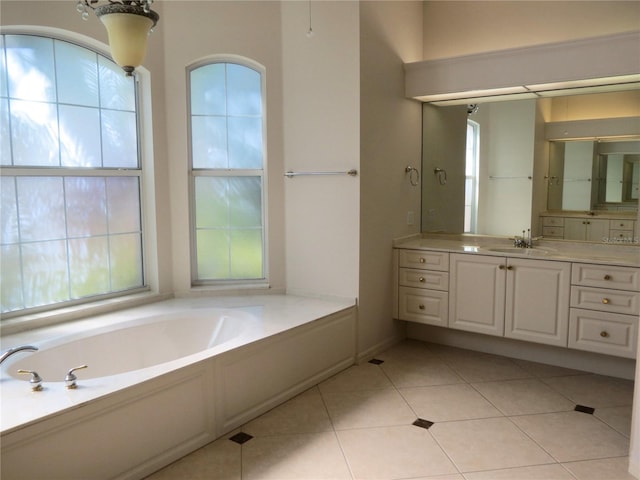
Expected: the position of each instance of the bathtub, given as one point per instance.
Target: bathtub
(162, 380)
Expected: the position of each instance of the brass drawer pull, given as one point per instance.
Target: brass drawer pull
(510, 267)
(604, 334)
(501, 267)
(422, 260)
(605, 301)
(421, 280)
(607, 277)
(421, 307)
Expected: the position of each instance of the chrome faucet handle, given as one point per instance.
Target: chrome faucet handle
(70, 379)
(35, 381)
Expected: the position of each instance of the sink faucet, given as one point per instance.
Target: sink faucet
(525, 241)
(21, 348)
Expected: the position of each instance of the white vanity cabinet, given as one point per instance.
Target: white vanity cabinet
(512, 297)
(605, 304)
(423, 286)
(591, 229)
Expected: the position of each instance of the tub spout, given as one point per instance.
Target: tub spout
(21, 348)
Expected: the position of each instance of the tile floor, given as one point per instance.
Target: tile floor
(478, 416)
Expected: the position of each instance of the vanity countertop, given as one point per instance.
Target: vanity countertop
(607, 254)
(605, 214)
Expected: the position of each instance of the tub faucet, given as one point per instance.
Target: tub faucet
(21, 348)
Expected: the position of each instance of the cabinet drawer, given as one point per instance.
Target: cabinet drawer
(621, 234)
(621, 224)
(605, 300)
(555, 232)
(552, 221)
(601, 332)
(409, 277)
(606, 276)
(424, 306)
(424, 259)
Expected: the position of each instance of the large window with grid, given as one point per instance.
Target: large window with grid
(70, 209)
(227, 166)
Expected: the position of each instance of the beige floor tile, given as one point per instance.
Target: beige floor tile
(407, 350)
(482, 367)
(312, 456)
(305, 413)
(420, 372)
(537, 472)
(604, 469)
(543, 370)
(573, 436)
(521, 397)
(448, 402)
(359, 377)
(594, 390)
(454, 476)
(487, 444)
(618, 418)
(372, 408)
(393, 452)
(219, 460)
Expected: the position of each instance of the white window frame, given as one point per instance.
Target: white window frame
(258, 283)
(56, 313)
(473, 217)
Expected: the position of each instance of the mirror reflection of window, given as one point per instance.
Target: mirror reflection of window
(471, 179)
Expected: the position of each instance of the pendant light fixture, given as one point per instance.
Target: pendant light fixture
(128, 24)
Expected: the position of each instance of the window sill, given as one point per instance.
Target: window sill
(76, 312)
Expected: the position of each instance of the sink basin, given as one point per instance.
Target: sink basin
(531, 252)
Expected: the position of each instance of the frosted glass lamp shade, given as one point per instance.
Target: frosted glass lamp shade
(128, 27)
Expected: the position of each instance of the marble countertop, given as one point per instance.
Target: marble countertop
(558, 250)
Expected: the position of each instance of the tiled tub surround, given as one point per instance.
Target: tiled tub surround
(126, 424)
(488, 417)
(562, 302)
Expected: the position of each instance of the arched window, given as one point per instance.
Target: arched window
(71, 227)
(227, 153)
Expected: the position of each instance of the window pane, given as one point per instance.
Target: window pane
(209, 142)
(80, 137)
(11, 278)
(211, 202)
(213, 254)
(34, 134)
(208, 95)
(126, 261)
(123, 204)
(89, 266)
(246, 254)
(116, 90)
(31, 68)
(46, 279)
(244, 90)
(119, 139)
(245, 142)
(5, 136)
(41, 208)
(3, 71)
(86, 206)
(245, 202)
(8, 211)
(77, 75)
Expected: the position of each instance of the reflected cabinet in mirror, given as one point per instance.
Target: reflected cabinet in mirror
(563, 167)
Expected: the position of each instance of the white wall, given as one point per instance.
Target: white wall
(321, 133)
(454, 28)
(390, 139)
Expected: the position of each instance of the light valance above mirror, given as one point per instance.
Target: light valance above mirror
(529, 72)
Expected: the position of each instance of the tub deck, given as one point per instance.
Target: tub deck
(20, 408)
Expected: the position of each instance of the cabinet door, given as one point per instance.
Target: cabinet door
(537, 301)
(574, 229)
(597, 229)
(476, 296)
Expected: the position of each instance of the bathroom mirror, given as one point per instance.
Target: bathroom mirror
(511, 181)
